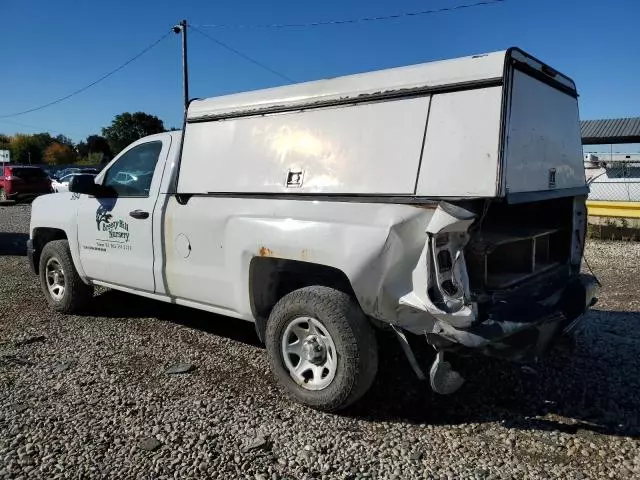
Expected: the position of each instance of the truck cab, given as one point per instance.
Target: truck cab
(442, 201)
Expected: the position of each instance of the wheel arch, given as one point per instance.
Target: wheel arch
(271, 278)
(40, 236)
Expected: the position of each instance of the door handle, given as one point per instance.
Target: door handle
(141, 214)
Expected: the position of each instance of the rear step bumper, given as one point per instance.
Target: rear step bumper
(521, 330)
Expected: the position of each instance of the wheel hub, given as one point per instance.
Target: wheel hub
(314, 350)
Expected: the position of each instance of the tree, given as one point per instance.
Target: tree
(127, 128)
(43, 140)
(82, 149)
(59, 154)
(98, 144)
(64, 140)
(96, 158)
(29, 148)
(26, 149)
(94, 147)
(5, 142)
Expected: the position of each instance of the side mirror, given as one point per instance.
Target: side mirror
(85, 184)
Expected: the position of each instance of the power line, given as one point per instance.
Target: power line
(357, 20)
(243, 55)
(104, 77)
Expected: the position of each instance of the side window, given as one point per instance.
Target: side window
(131, 175)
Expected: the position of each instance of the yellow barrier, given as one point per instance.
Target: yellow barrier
(598, 208)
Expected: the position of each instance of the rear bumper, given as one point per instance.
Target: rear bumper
(31, 256)
(524, 329)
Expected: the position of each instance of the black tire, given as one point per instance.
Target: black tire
(77, 294)
(352, 334)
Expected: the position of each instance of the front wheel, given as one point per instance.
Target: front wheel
(321, 347)
(62, 286)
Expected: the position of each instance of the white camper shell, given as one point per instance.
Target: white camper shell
(444, 202)
(495, 125)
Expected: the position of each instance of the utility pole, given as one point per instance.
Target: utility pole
(182, 28)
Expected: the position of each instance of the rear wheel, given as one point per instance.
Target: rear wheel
(321, 347)
(62, 286)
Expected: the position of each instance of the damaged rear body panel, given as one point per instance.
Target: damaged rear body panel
(494, 278)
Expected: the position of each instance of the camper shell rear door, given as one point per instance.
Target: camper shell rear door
(542, 148)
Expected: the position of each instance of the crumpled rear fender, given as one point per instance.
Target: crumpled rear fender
(398, 286)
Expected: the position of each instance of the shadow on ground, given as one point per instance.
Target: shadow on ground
(582, 392)
(114, 304)
(13, 243)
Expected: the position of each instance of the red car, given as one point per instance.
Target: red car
(23, 182)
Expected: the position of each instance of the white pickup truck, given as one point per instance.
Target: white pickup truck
(444, 201)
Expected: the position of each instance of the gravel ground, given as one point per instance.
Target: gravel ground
(89, 396)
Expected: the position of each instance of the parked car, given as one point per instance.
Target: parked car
(444, 202)
(62, 184)
(125, 178)
(23, 182)
(64, 172)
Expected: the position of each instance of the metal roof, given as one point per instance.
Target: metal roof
(614, 130)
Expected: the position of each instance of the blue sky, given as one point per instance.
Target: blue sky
(52, 48)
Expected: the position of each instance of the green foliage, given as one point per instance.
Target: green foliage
(98, 144)
(59, 154)
(126, 128)
(27, 149)
(64, 140)
(38, 148)
(95, 149)
(83, 149)
(5, 142)
(95, 158)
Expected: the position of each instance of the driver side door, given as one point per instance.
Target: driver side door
(115, 233)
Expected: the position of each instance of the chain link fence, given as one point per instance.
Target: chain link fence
(614, 181)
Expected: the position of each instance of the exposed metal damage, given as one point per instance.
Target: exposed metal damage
(511, 309)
